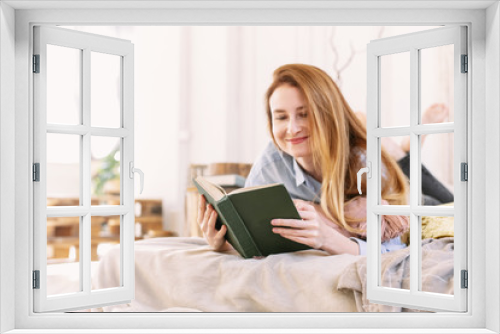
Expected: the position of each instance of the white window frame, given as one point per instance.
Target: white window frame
(484, 104)
(412, 44)
(86, 43)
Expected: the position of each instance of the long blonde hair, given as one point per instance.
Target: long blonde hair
(336, 137)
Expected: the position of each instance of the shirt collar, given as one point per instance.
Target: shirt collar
(294, 168)
(299, 174)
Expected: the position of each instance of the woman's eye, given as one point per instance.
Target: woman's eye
(280, 118)
(303, 115)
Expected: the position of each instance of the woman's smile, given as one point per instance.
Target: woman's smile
(296, 141)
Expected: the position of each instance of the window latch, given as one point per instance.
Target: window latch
(133, 170)
(368, 171)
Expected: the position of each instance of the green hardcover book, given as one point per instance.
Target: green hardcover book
(247, 213)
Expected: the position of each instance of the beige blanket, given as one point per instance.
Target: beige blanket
(437, 273)
(183, 274)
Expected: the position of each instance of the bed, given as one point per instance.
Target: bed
(183, 274)
(176, 274)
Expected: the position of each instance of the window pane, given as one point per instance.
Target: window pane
(105, 169)
(395, 89)
(391, 276)
(105, 242)
(437, 168)
(63, 265)
(63, 85)
(105, 90)
(437, 254)
(398, 148)
(63, 169)
(437, 84)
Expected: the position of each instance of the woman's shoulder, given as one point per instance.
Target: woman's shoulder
(269, 167)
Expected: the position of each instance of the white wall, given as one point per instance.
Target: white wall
(157, 112)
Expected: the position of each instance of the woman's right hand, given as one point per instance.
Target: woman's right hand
(207, 216)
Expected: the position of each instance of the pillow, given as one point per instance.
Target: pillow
(434, 227)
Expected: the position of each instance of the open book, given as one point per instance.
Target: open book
(247, 213)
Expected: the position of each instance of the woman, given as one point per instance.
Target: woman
(318, 147)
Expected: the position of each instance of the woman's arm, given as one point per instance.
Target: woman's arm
(391, 226)
(315, 231)
(385, 247)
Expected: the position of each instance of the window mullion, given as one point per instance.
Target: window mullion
(127, 156)
(39, 155)
(415, 243)
(461, 191)
(82, 130)
(85, 226)
(422, 129)
(373, 185)
(405, 210)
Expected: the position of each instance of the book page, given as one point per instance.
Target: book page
(212, 189)
(242, 190)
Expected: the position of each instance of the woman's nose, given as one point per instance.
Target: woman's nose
(294, 126)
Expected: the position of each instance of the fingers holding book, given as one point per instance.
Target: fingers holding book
(308, 231)
(207, 217)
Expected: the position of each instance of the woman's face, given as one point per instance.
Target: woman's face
(289, 121)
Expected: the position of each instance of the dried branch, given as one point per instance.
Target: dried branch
(338, 69)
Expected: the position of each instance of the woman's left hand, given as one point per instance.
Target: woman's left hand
(310, 231)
